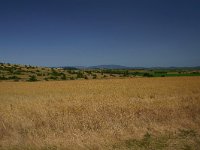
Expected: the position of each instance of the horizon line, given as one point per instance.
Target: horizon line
(86, 66)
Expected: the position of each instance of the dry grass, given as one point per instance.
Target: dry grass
(137, 113)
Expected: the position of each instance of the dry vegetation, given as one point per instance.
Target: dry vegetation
(136, 113)
(16, 72)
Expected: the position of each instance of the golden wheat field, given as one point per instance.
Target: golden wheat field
(132, 113)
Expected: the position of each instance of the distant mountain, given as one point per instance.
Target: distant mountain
(125, 67)
(141, 68)
(98, 67)
(71, 67)
(109, 67)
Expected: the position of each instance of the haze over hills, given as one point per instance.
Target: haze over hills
(109, 67)
(113, 66)
(126, 67)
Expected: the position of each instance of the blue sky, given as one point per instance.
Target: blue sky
(94, 32)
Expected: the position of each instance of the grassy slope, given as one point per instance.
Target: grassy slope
(138, 113)
(11, 72)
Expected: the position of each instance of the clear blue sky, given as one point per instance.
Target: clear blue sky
(93, 32)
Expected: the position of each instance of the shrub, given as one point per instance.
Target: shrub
(80, 75)
(3, 78)
(32, 78)
(46, 79)
(126, 73)
(17, 72)
(53, 78)
(39, 74)
(94, 76)
(55, 73)
(63, 77)
(86, 77)
(147, 75)
(14, 77)
(71, 78)
(71, 71)
(89, 72)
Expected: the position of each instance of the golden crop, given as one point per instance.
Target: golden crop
(135, 113)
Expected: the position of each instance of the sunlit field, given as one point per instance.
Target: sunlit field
(132, 113)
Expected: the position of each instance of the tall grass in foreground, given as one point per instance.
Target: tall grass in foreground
(137, 113)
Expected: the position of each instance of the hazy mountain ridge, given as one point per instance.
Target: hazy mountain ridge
(125, 67)
(112, 66)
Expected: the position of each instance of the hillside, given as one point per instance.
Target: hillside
(15, 72)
